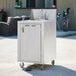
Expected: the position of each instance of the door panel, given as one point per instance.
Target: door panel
(30, 43)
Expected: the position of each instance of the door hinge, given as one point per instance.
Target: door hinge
(23, 29)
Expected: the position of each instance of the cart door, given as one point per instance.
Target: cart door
(30, 43)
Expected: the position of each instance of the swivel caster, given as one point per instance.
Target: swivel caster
(25, 69)
(22, 65)
(42, 67)
(53, 62)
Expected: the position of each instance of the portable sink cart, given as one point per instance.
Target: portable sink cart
(36, 41)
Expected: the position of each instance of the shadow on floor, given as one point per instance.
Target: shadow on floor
(54, 71)
(69, 37)
(8, 37)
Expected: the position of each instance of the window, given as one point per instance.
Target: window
(35, 3)
(54, 2)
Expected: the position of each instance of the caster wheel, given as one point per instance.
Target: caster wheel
(22, 65)
(53, 62)
(42, 67)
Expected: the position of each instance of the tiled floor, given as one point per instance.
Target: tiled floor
(65, 59)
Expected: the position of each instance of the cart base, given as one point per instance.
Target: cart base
(37, 66)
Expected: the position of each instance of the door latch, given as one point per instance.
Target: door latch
(23, 29)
